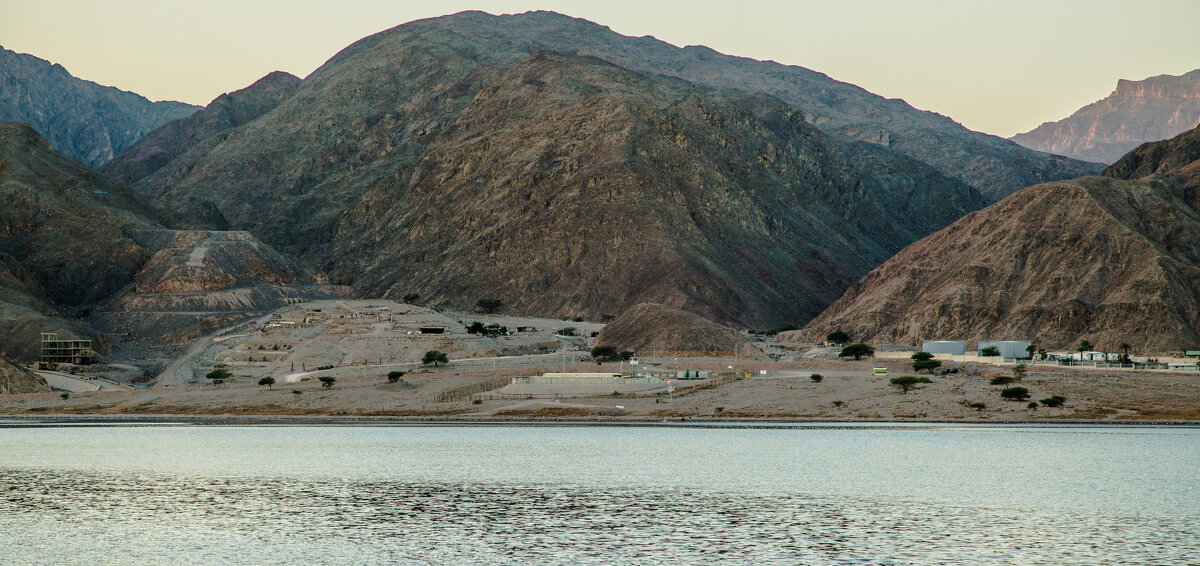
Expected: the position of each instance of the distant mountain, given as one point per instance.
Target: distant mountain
(1113, 260)
(561, 184)
(1136, 112)
(82, 120)
(226, 112)
(651, 328)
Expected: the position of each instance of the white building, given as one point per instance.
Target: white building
(1008, 348)
(952, 347)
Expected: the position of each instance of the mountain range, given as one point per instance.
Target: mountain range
(1113, 259)
(532, 155)
(83, 120)
(1136, 112)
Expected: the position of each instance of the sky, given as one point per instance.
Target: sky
(1000, 67)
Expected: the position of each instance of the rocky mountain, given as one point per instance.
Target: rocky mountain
(67, 239)
(1110, 259)
(993, 165)
(563, 183)
(205, 127)
(648, 328)
(76, 244)
(15, 379)
(82, 120)
(1136, 112)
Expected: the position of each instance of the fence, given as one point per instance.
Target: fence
(464, 392)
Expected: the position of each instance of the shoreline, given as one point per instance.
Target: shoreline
(37, 421)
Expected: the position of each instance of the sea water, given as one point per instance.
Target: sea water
(661, 495)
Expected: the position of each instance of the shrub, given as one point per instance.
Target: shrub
(978, 406)
(1015, 393)
(296, 392)
(394, 376)
(838, 403)
(1054, 401)
(475, 328)
(566, 331)
(577, 319)
(66, 395)
(327, 381)
(1031, 405)
(908, 382)
(410, 297)
(816, 378)
(858, 350)
(626, 355)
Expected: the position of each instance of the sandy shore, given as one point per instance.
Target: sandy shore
(848, 392)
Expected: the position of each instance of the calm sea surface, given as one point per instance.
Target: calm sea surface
(600, 495)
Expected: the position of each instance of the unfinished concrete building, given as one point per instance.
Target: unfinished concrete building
(62, 351)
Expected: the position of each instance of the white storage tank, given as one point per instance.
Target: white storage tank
(1008, 348)
(953, 347)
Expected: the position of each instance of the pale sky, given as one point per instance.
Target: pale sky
(1000, 67)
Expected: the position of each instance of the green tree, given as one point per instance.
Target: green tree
(327, 381)
(488, 305)
(627, 355)
(1125, 349)
(926, 365)
(268, 381)
(435, 357)
(475, 328)
(858, 350)
(1054, 401)
(394, 376)
(990, 351)
(1042, 353)
(410, 297)
(837, 337)
(219, 376)
(921, 356)
(1030, 349)
(1019, 372)
(908, 382)
(816, 378)
(1015, 393)
(566, 331)
(605, 353)
(1001, 380)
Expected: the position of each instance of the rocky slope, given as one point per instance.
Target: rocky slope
(15, 379)
(993, 165)
(1136, 112)
(1108, 259)
(221, 115)
(653, 328)
(563, 184)
(82, 120)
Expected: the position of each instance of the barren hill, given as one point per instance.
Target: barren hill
(1105, 259)
(205, 126)
(650, 327)
(1136, 112)
(82, 120)
(15, 379)
(453, 164)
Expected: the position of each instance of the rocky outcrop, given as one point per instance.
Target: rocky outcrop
(81, 119)
(653, 328)
(1110, 260)
(16, 379)
(207, 125)
(1136, 112)
(564, 184)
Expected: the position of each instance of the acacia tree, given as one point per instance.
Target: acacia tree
(837, 337)
(218, 376)
(434, 357)
(990, 351)
(1019, 372)
(268, 381)
(394, 376)
(908, 382)
(327, 381)
(858, 350)
(1015, 393)
(605, 353)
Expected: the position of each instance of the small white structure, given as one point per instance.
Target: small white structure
(1183, 367)
(1008, 348)
(951, 347)
(1094, 357)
